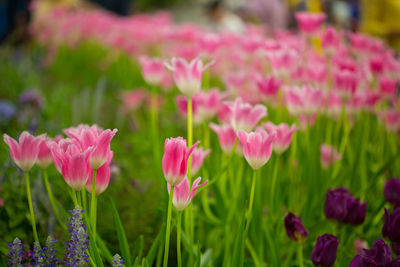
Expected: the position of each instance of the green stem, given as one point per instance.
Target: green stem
(253, 186)
(168, 231)
(189, 133)
(178, 239)
(83, 195)
(73, 196)
(273, 185)
(28, 192)
(93, 205)
(51, 198)
(300, 255)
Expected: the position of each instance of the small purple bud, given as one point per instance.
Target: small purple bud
(295, 228)
(324, 251)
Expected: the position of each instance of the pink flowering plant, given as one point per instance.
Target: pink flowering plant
(169, 144)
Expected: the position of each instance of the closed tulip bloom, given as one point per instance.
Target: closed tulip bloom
(244, 116)
(309, 22)
(391, 228)
(102, 177)
(183, 194)
(24, 152)
(226, 136)
(392, 191)
(342, 207)
(257, 147)
(153, 70)
(283, 135)
(57, 150)
(378, 256)
(330, 40)
(188, 75)
(175, 159)
(198, 156)
(324, 252)
(76, 168)
(295, 228)
(44, 155)
(329, 155)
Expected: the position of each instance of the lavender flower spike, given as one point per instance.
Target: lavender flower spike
(16, 255)
(117, 261)
(78, 244)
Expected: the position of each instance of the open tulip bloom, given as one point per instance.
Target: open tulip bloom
(183, 193)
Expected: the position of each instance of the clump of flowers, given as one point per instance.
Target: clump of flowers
(78, 244)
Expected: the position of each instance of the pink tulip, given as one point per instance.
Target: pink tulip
(95, 138)
(334, 104)
(257, 147)
(153, 70)
(226, 136)
(388, 87)
(303, 100)
(329, 155)
(44, 155)
(183, 194)
(188, 75)
(131, 100)
(345, 82)
(330, 40)
(175, 159)
(268, 87)
(205, 105)
(309, 22)
(283, 135)
(244, 116)
(57, 150)
(198, 156)
(25, 152)
(102, 177)
(391, 119)
(75, 166)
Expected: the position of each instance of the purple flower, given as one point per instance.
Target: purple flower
(295, 228)
(392, 191)
(78, 244)
(16, 254)
(117, 261)
(391, 228)
(378, 256)
(341, 206)
(324, 251)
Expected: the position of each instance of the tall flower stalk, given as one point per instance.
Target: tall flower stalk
(32, 213)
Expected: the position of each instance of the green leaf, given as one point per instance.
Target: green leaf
(153, 249)
(238, 252)
(138, 249)
(123, 242)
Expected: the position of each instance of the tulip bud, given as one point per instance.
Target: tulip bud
(295, 228)
(324, 251)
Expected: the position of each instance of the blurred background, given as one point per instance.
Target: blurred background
(376, 17)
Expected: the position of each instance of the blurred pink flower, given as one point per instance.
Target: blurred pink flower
(388, 87)
(268, 87)
(44, 155)
(283, 135)
(198, 156)
(309, 22)
(245, 116)
(257, 147)
(153, 70)
(391, 119)
(188, 75)
(226, 136)
(329, 155)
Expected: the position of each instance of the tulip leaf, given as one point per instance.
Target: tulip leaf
(153, 249)
(123, 242)
(138, 249)
(238, 252)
